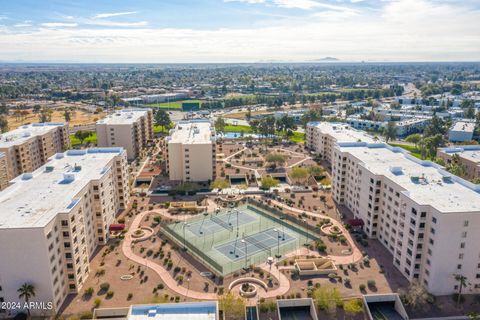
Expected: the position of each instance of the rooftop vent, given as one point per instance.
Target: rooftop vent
(396, 170)
(68, 177)
(49, 168)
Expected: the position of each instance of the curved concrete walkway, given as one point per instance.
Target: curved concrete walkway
(356, 253)
(160, 270)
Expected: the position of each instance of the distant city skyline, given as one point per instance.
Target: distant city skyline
(194, 31)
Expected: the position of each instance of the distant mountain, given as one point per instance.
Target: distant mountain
(327, 59)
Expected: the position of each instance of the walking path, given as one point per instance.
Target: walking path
(160, 270)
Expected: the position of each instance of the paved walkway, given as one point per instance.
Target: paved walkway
(344, 259)
(160, 270)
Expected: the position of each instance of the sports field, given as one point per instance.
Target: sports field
(232, 239)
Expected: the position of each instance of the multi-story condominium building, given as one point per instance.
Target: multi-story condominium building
(469, 157)
(127, 128)
(423, 215)
(461, 131)
(53, 219)
(191, 152)
(321, 137)
(29, 146)
(3, 171)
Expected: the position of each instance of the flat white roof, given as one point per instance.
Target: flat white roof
(124, 116)
(192, 132)
(342, 132)
(26, 132)
(471, 153)
(34, 199)
(451, 194)
(179, 311)
(463, 126)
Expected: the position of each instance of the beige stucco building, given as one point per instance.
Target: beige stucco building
(191, 154)
(321, 137)
(127, 128)
(28, 147)
(425, 217)
(469, 157)
(53, 219)
(3, 171)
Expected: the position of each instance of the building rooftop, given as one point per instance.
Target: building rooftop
(423, 181)
(26, 132)
(124, 116)
(471, 152)
(192, 132)
(178, 311)
(34, 199)
(343, 132)
(463, 126)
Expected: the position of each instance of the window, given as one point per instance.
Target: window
(465, 223)
(434, 220)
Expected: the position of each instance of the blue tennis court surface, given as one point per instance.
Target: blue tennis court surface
(220, 222)
(266, 240)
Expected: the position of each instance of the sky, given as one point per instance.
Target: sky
(190, 31)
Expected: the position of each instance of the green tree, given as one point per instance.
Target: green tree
(3, 124)
(416, 295)
(275, 160)
(220, 125)
(269, 182)
(462, 283)
(327, 298)
(82, 135)
(67, 115)
(233, 307)
(162, 119)
(455, 166)
(316, 170)
(45, 115)
(26, 291)
(219, 184)
(390, 131)
(414, 138)
(298, 174)
(353, 307)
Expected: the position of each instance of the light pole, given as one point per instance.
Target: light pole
(278, 255)
(188, 288)
(306, 238)
(245, 242)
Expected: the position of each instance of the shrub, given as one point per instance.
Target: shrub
(332, 276)
(105, 286)
(97, 302)
(362, 287)
(346, 281)
(89, 291)
(371, 283)
(110, 294)
(130, 296)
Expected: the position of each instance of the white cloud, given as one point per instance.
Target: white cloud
(401, 30)
(22, 25)
(108, 23)
(113, 14)
(59, 25)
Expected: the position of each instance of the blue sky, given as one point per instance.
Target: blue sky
(239, 30)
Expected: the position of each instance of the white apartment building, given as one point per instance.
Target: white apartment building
(127, 128)
(3, 171)
(191, 154)
(321, 137)
(461, 131)
(425, 217)
(53, 219)
(469, 157)
(28, 147)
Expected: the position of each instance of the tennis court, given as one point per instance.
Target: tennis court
(216, 239)
(219, 222)
(269, 240)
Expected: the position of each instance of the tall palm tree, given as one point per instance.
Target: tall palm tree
(462, 282)
(26, 291)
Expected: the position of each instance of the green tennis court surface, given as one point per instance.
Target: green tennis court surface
(235, 238)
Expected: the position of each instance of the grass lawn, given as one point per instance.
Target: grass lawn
(75, 142)
(237, 128)
(172, 104)
(297, 137)
(412, 149)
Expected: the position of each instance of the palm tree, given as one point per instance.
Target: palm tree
(26, 291)
(462, 282)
